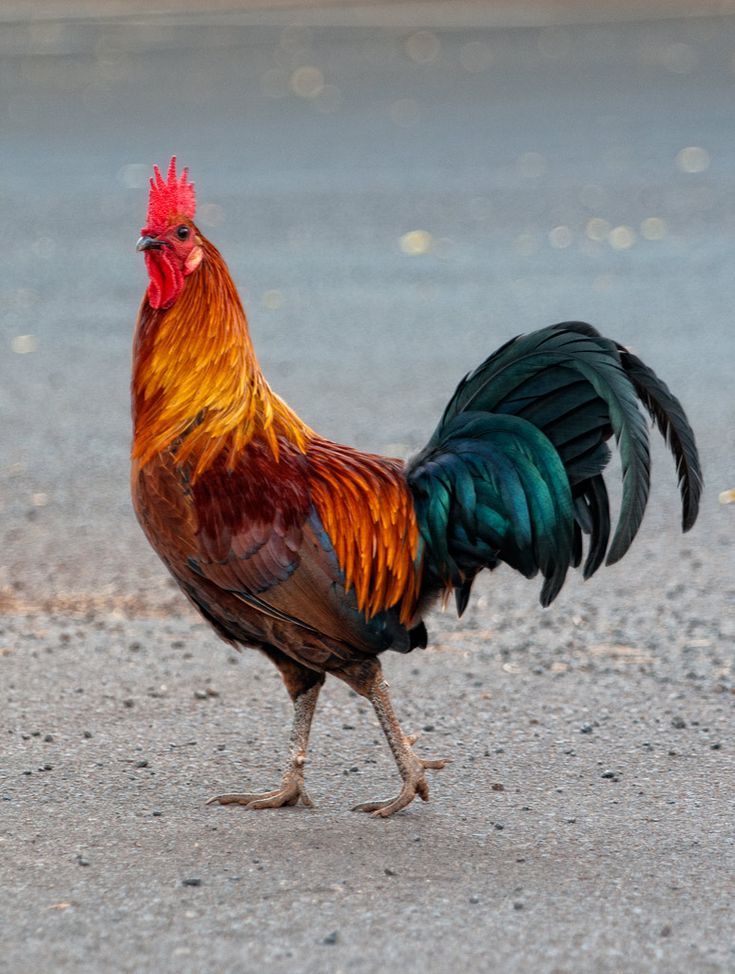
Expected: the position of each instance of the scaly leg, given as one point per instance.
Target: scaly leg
(303, 685)
(367, 680)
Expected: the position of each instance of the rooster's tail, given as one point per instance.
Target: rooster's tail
(513, 471)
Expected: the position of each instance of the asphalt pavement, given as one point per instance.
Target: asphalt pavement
(398, 189)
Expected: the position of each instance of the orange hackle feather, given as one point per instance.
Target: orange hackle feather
(198, 391)
(195, 373)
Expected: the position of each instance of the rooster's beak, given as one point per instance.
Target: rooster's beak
(149, 243)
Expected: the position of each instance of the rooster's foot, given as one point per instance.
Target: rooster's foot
(414, 783)
(290, 793)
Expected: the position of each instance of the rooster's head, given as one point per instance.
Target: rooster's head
(170, 241)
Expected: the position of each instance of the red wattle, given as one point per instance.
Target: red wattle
(166, 280)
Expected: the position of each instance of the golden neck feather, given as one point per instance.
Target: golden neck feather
(196, 380)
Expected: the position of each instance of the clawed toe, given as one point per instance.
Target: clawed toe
(414, 784)
(371, 806)
(239, 799)
(290, 794)
(384, 809)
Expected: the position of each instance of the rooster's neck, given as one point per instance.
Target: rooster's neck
(196, 380)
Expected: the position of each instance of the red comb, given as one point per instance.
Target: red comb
(174, 197)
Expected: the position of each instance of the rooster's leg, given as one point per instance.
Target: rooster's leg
(303, 686)
(367, 680)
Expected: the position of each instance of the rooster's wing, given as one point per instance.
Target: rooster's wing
(258, 535)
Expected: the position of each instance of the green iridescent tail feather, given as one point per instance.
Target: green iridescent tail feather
(513, 472)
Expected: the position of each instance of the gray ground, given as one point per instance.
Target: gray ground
(586, 822)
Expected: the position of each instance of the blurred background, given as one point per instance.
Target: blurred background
(397, 187)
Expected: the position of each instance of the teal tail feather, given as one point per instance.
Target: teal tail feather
(513, 471)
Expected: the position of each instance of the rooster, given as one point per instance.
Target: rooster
(323, 557)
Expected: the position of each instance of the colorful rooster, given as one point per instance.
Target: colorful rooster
(323, 557)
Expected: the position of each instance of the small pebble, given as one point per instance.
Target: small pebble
(200, 694)
(715, 747)
(499, 827)
(608, 774)
(666, 930)
(156, 813)
(128, 702)
(82, 861)
(331, 938)
(518, 905)
(49, 738)
(87, 734)
(586, 729)
(389, 872)
(193, 881)
(141, 764)
(496, 786)
(474, 899)
(679, 723)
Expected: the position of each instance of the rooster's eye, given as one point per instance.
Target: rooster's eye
(182, 232)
